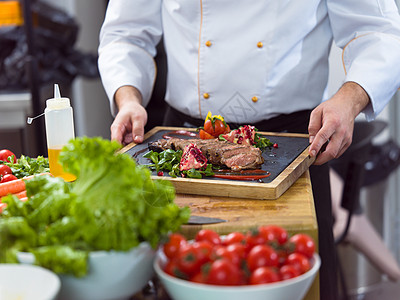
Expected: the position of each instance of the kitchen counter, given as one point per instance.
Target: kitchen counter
(294, 211)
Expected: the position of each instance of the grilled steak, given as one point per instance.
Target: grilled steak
(234, 156)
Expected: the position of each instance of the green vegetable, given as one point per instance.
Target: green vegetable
(113, 205)
(261, 142)
(168, 160)
(26, 166)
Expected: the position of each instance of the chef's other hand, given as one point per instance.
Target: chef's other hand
(128, 125)
(332, 122)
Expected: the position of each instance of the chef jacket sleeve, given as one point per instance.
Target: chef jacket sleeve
(368, 31)
(128, 40)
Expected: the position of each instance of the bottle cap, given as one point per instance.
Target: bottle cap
(57, 102)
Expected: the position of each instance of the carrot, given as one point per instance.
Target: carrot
(15, 186)
(21, 194)
(24, 199)
(12, 187)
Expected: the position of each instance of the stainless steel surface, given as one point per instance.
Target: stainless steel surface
(13, 109)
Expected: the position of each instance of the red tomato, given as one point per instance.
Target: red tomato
(172, 269)
(238, 248)
(171, 248)
(264, 275)
(205, 135)
(235, 237)
(208, 235)
(215, 127)
(262, 256)
(274, 233)
(199, 277)
(282, 254)
(8, 177)
(188, 259)
(204, 250)
(288, 271)
(5, 154)
(254, 238)
(299, 261)
(224, 272)
(220, 252)
(4, 170)
(303, 244)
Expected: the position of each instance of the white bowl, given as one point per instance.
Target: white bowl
(291, 289)
(113, 275)
(25, 282)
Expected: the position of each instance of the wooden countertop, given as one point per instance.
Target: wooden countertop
(294, 211)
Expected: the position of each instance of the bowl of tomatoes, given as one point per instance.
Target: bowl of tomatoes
(264, 263)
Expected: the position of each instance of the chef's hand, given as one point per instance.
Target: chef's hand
(333, 121)
(128, 125)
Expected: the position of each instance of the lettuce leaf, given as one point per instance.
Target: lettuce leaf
(113, 205)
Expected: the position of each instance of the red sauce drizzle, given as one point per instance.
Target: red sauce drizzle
(247, 175)
(180, 133)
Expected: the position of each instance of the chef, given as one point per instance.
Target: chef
(263, 63)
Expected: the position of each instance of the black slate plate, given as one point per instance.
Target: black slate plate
(275, 159)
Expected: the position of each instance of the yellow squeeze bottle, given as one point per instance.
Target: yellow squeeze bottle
(59, 130)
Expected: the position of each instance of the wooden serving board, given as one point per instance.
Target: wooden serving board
(285, 163)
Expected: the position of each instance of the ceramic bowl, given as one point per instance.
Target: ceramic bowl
(27, 282)
(113, 275)
(291, 289)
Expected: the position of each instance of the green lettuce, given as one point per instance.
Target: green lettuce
(112, 205)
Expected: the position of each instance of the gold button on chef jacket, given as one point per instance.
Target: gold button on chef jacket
(233, 50)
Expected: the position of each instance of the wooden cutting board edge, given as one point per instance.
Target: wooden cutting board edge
(241, 189)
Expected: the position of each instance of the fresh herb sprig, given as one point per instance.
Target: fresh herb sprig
(262, 142)
(168, 160)
(26, 166)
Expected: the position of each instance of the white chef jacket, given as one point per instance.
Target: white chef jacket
(250, 60)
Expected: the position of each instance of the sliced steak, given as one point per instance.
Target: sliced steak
(234, 156)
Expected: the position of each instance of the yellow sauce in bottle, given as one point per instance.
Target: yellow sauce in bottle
(55, 167)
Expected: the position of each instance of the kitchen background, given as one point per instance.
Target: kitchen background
(93, 118)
